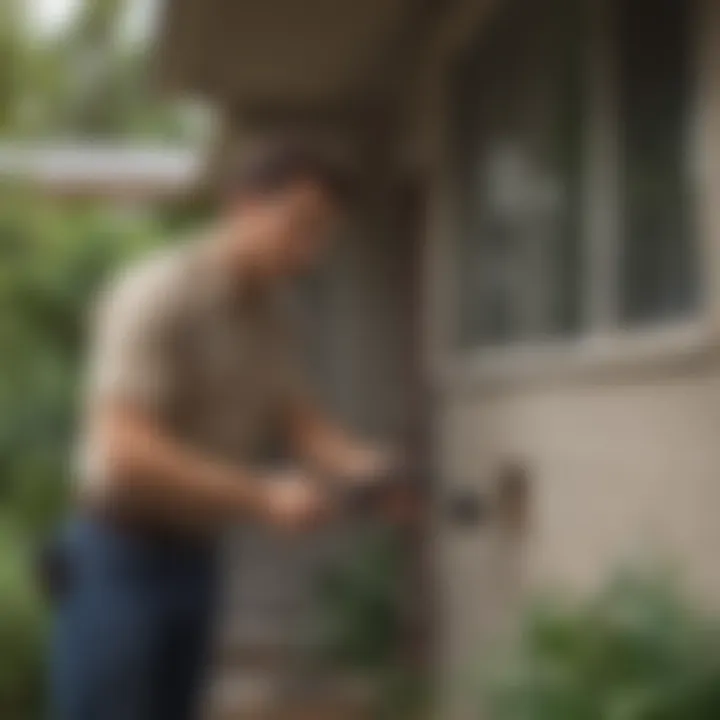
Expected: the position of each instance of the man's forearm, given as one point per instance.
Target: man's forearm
(327, 447)
(148, 469)
(332, 452)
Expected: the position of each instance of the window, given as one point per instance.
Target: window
(658, 263)
(522, 101)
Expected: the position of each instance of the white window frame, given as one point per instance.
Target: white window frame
(602, 346)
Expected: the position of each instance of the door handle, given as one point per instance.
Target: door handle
(467, 508)
(505, 501)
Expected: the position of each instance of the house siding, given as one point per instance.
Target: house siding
(623, 459)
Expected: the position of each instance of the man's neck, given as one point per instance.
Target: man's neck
(237, 255)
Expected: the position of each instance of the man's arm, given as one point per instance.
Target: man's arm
(328, 448)
(143, 467)
(134, 377)
(357, 467)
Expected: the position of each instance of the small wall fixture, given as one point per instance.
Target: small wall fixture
(513, 497)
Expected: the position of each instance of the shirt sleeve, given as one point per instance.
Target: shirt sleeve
(131, 357)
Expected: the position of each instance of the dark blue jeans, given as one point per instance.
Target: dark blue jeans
(132, 626)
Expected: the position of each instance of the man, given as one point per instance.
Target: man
(189, 375)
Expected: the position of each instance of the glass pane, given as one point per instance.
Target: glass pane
(517, 141)
(659, 258)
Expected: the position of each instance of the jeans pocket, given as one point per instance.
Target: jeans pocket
(54, 569)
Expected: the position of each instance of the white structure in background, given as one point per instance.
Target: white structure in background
(142, 171)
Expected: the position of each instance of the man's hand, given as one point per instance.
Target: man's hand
(291, 501)
(368, 465)
(333, 453)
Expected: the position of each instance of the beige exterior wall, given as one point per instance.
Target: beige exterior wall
(621, 472)
(620, 433)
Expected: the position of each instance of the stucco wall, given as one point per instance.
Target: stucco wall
(620, 473)
(616, 470)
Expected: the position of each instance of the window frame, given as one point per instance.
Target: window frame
(602, 345)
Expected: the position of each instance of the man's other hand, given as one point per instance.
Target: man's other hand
(368, 466)
(292, 501)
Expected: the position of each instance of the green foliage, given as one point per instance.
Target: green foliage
(638, 651)
(53, 257)
(51, 260)
(84, 81)
(359, 610)
(360, 623)
(22, 630)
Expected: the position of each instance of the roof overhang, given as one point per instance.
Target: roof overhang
(287, 53)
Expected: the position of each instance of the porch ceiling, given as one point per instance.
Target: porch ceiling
(283, 52)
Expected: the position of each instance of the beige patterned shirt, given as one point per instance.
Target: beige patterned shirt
(204, 354)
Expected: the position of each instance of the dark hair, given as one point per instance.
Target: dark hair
(275, 167)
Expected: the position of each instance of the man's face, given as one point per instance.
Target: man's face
(294, 226)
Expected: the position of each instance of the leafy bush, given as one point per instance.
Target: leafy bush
(22, 630)
(638, 651)
(52, 258)
(359, 618)
(361, 623)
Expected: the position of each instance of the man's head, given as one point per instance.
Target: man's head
(287, 200)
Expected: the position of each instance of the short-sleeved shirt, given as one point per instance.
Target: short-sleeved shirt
(204, 354)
